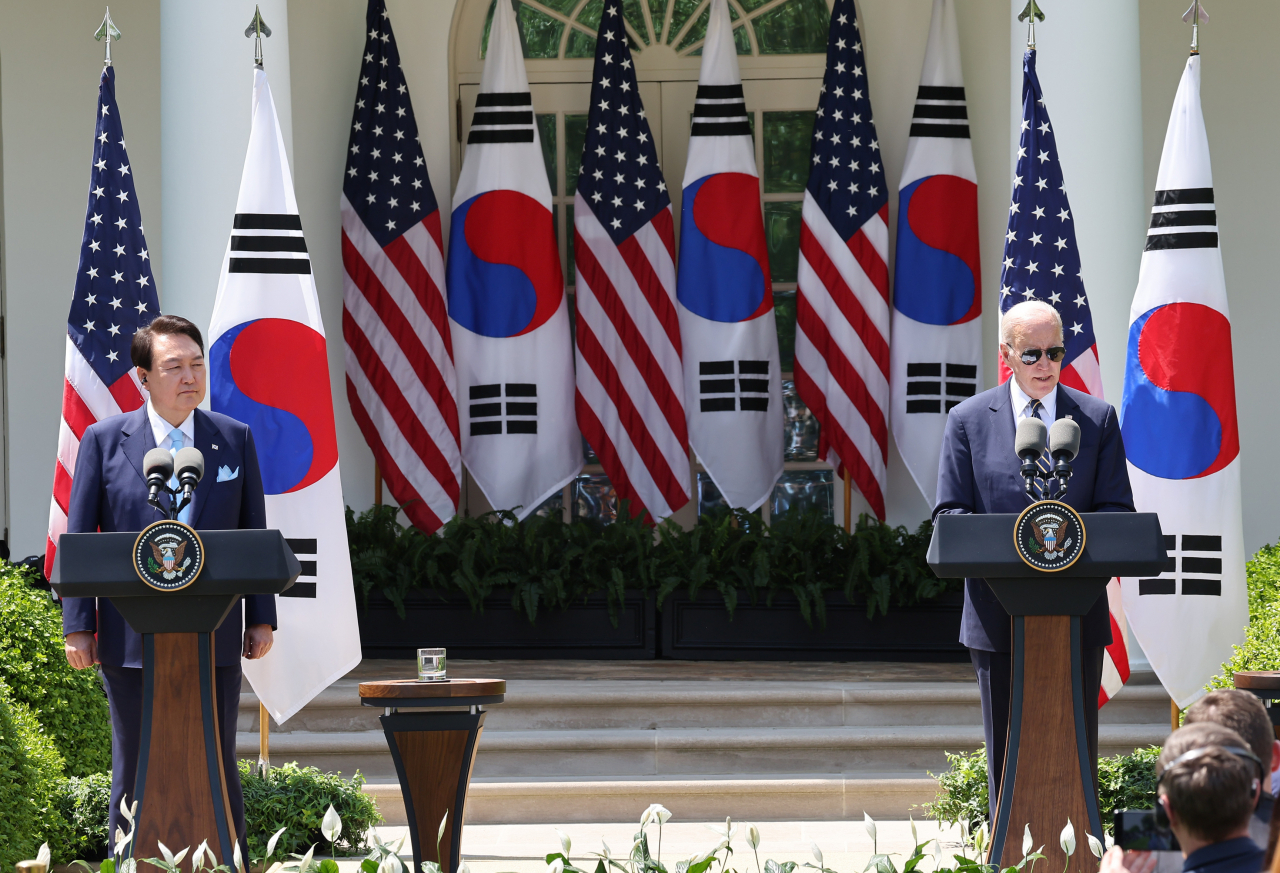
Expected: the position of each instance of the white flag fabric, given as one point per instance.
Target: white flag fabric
(732, 378)
(1178, 418)
(507, 310)
(268, 368)
(936, 354)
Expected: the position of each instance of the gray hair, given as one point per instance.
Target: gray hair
(1018, 315)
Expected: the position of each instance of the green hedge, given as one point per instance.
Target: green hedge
(70, 704)
(85, 804)
(1261, 647)
(545, 563)
(296, 798)
(30, 776)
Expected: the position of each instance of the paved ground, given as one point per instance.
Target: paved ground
(845, 846)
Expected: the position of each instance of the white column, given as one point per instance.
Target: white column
(206, 68)
(1090, 69)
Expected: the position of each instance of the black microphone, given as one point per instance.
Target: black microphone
(1029, 442)
(189, 463)
(1064, 445)
(157, 466)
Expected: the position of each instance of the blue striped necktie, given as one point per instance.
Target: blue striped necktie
(175, 436)
(1042, 463)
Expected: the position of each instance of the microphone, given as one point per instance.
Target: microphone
(189, 463)
(1029, 442)
(157, 466)
(1064, 445)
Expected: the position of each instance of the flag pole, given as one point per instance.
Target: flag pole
(107, 32)
(848, 501)
(1030, 14)
(1175, 715)
(264, 739)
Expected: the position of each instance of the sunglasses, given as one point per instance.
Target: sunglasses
(1030, 356)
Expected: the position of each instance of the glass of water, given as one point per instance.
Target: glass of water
(431, 665)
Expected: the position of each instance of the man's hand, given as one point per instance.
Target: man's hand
(1117, 860)
(257, 641)
(82, 649)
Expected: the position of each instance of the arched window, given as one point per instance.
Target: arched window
(782, 50)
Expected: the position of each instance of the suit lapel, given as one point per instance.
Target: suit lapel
(1002, 429)
(207, 438)
(139, 439)
(1066, 405)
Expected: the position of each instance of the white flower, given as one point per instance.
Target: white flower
(981, 837)
(130, 865)
(391, 863)
(565, 843)
(440, 832)
(939, 854)
(271, 843)
(197, 860)
(753, 837)
(463, 868)
(236, 858)
(607, 854)
(1027, 842)
(655, 811)
(1094, 845)
(1067, 839)
(556, 866)
(306, 859)
(870, 824)
(43, 856)
(128, 811)
(331, 825)
(817, 853)
(915, 838)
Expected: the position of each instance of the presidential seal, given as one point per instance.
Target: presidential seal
(1049, 535)
(168, 555)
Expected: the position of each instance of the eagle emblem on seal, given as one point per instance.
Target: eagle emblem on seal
(1053, 536)
(168, 552)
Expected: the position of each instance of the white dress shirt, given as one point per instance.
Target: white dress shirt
(1021, 404)
(162, 429)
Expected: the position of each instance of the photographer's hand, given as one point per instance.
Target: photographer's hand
(1117, 860)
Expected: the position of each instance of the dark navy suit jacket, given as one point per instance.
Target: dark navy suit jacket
(109, 493)
(978, 472)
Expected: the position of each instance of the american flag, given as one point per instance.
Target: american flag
(1041, 262)
(400, 377)
(842, 302)
(629, 395)
(115, 295)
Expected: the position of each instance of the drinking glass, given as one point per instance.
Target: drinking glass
(431, 665)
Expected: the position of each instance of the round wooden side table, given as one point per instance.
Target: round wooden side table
(434, 747)
(1265, 684)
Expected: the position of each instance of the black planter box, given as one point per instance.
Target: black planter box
(581, 631)
(701, 630)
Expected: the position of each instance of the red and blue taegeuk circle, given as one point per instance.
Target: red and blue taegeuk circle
(273, 375)
(938, 280)
(724, 261)
(504, 275)
(1178, 416)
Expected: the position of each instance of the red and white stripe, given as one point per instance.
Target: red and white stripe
(399, 360)
(629, 397)
(842, 345)
(85, 400)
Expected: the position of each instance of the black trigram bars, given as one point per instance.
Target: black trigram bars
(927, 392)
(492, 407)
(1197, 565)
(302, 548)
(724, 388)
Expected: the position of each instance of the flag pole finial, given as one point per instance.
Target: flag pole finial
(1194, 15)
(257, 29)
(108, 32)
(1030, 15)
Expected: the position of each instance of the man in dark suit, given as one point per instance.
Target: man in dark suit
(978, 471)
(110, 494)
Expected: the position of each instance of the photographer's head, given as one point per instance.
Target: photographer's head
(1244, 714)
(1208, 784)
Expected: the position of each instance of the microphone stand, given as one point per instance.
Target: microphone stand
(1061, 473)
(1029, 471)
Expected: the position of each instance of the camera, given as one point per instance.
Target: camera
(1144, 830)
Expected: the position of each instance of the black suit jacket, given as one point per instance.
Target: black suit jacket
(978, 471)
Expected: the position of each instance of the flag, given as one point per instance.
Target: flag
(842, 300)
(630, 395)
(1178, 418)
(114, 296)
(1042, 262)
(268, 368)
(732, 375)
(935, 360)
(400, 379)
(507, 307)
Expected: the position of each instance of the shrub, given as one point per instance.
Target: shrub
(85, 805)
(69, 704)
(1261, 647)
(296, 798)
(1124, 782)
(30, 771)
(542, 562)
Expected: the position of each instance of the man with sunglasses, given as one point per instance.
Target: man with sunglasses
(978, 472)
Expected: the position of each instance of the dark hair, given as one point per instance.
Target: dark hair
(1212, 793)
(1243, 713)
(163, 325)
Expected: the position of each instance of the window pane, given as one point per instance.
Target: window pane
(804, 490)
(796, 27)
(784, 313)
(563, 6)
(540, 33)
(699, 30)
(710, 501)
(552, 506)
(749, 5)
(657, 10)
(580, 45)
(590, 14)
(680, 13)
(594, 498)
(741, 40)
(575, 135)
(800, 437)
(631, 9)
(547, 133)
(782, 231)
(787, 137)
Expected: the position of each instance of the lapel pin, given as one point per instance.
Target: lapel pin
(215, 447)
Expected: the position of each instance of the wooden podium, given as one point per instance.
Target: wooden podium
(434, 749)
(181, 788)
(1048, 776)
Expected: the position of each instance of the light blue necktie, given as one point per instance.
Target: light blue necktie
(175, 436)
(1043, 462)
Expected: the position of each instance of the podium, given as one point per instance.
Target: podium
(1048, 776)
(181, 788)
